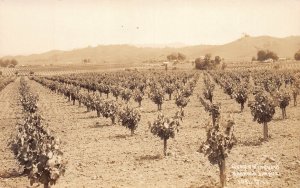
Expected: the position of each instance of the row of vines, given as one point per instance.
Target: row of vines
(264, 91)
(35, 147)
(4, 81)
(91, 94)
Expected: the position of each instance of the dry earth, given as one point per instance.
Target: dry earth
(102, 155)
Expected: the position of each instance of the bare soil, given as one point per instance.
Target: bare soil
(103, 155)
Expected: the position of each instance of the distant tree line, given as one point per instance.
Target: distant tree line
(263, 55)
(207, 62)
(176, 57)
(8, 62)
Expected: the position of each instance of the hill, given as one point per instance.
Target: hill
(243, 48)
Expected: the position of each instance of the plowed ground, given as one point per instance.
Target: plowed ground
(103, 155)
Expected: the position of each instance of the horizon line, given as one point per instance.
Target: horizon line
(144, 45)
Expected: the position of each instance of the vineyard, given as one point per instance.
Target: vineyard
(150, 128)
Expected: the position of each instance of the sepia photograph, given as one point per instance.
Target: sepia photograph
(149, 94)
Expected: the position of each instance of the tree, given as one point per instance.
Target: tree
(8, 63)
(206, 62)
(201, 64)
(176, 57)
(172, 57)
(14, 62)
(263, 55)
(297, 55)
(272, 55)
(4, 63)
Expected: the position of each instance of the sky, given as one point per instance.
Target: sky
(35, 26)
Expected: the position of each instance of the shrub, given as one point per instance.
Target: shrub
(176, 57)
(240, 94)
(129, 118)
(8, 63)
(282, 99)
(207, 63)
(219, 142)
(157, 96)
(263, 55)
(262, 109)
(224, 66)
(165, 128)
(202, 64)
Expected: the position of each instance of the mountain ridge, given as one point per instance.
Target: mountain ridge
(242, 48)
